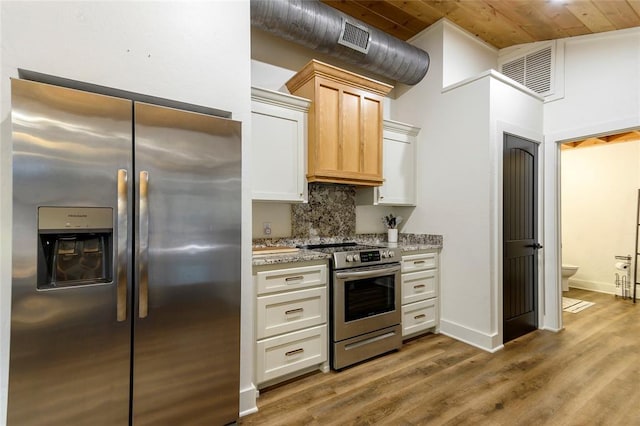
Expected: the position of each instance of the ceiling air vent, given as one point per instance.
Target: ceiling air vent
(354, 36)
(532, 70)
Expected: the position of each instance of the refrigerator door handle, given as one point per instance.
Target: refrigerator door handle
(123, 224)
(143, 239)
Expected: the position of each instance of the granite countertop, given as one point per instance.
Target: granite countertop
(300, 256)
(406, 243)
(408, 247)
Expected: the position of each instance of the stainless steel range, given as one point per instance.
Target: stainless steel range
(365, 302)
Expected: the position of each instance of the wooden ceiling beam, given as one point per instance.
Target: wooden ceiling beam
(624, 137)
(632, 136)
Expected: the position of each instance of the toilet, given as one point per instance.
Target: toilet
(567, 271)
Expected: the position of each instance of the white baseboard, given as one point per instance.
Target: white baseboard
(598, 286)
(248, 398)
(553, 329)
(486, 342)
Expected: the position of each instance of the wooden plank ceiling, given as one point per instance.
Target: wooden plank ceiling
(501, 23)
(633, 136)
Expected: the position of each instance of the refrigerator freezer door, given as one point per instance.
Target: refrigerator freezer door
(186, 350)
(69, 355)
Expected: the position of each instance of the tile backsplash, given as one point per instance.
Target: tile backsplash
(331, 211)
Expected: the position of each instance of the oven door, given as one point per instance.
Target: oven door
(365, 299)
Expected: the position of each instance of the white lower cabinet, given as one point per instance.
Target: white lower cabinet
(291, 320)
(285, 312)
(418, 286)
(420, 281)
(283, 355)
(419, 316)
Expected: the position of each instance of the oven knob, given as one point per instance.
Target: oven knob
(384, 254)
(349, 258)
(391, 254)
(356, 257)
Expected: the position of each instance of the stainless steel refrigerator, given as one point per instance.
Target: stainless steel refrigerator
(126, 262)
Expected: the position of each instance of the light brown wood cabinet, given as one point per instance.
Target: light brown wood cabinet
(345, 124)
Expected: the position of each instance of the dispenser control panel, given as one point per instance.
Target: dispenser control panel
(58, 218)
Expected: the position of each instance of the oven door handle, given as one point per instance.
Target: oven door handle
(368, 273)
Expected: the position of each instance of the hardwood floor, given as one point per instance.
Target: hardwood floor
(587, 374)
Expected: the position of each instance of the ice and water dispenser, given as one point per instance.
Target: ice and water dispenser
(74, 246)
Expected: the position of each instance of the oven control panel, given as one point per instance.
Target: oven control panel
(369, 256)
(364, 257)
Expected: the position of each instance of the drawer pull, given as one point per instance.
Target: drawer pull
(297, 278)
(418, 262)
(419, 286)
(294, 311)
(294, 352)
(420, 316)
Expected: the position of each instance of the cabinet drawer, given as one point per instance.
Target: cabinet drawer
(290, 311)
(279, 356)
(291, 278)
(418, 286)
(419, 316)
(419, 262)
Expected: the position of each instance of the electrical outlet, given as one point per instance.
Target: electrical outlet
(266, 228)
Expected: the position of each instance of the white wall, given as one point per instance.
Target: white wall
(464, 55)
(466, 198)
(600, 82)
(196, 52)
(599, 201)
(602, 95)
(419, 105)
(459, 174)
(460, 202)
(277, 214)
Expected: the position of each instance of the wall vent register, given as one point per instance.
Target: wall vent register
(533, 70)
(354, 36)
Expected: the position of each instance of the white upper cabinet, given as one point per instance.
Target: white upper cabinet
(398, 165)
(278, 142)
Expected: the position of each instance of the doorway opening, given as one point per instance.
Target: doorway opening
(598, 213)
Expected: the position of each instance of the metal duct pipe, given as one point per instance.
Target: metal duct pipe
(319, 27)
